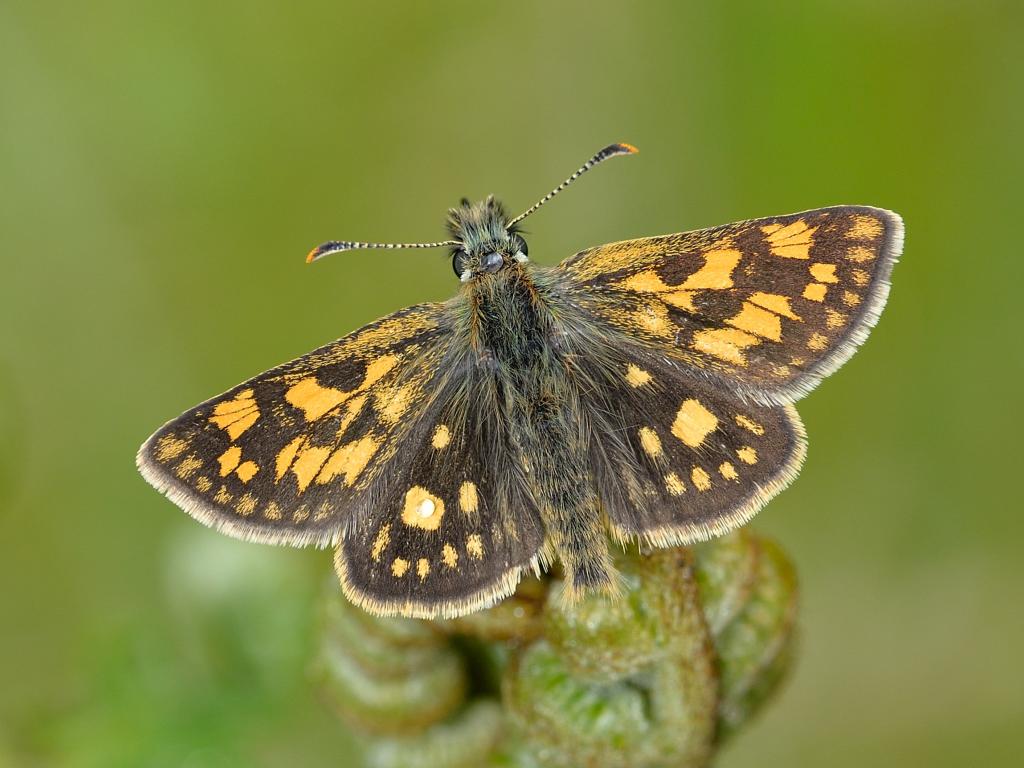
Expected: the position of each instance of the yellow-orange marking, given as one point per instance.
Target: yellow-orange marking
(188, 466)
(352, 409)
(834, 319)
(777, 304)
(860, 254)
(301, 513)
(313, 399)
(169, 447)
(815, 292)
(236, 415)
(469, 501)
(693, 423)
(749, 424)
(247, 505)
(817, 342)
(757, 320)
(728, 471)
(422, 509)
(637, 377)
(308, 463)
(203, 484)
(422, 568)
(824, 273)
(229, 460)
(747, 455)
(272, 511)
(716, 274)
(381, 542)
(393, 403)
(286, 455)
(442, 436)
(701, 479)
(792, 241)
(653, 318)
(475, 546)
(673, 484)
(850, 299)
(349, 460)
(222, 496)
(724, 343)
(860, 277)
(864, 228)
(450, 556)
(247, 470)
(650, 442)
(399, 567)
(681, 300)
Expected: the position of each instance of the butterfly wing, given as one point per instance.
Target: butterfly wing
(374, 441)
(677, 459)
(766, 307)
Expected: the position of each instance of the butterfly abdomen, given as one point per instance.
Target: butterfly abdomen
(516, 332)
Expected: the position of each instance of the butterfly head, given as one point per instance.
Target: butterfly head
(485, 243)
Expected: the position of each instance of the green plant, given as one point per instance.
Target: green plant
(699, 642)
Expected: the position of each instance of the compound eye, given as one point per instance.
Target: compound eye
(492, 262)
(459, 263)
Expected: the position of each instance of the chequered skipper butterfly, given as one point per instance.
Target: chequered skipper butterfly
(640, 390)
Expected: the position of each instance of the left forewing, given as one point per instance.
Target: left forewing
(766, 307)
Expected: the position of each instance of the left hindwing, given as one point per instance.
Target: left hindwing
(766, 307)
(677, 459)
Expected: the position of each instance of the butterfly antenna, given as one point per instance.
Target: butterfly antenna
(611, 150)
(335, 246)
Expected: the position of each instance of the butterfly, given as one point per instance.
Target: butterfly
(639, 392)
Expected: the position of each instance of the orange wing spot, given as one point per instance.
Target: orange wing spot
(860, 254)
(188, 466)
(747, 455)
(381, 542)
(308, 463)
(834, 319)
(312, 399)
(450, 556)
(681, 300)
(422, 509)
(349, 460)
(693, 423)
(203, 484)
(422, 568)
(716, 274)
(749, 424)
(815, 292)
(229, 460)
(399, 567)
(817, 342)
(756, 320)
(442, 436)
(286, 455)
(236, 415)
(701, 479)
(792, 241)
(777, 304)
(393, 403)
(674, 485)
(222, 496)
(724, 343)
(728, 471)
(850, 299)
(637, 377)
(864, 228)
(475, 546)
(654, 319)
(824, 273)
(169, 447)
(469, 500)
(246, 505)
(860, 277)
(247, 470)
(650, 442)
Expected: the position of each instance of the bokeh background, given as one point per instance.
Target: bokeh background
(165, 167)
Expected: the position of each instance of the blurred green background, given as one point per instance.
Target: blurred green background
(165, 167)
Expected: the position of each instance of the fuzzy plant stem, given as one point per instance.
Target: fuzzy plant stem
(699, 641)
